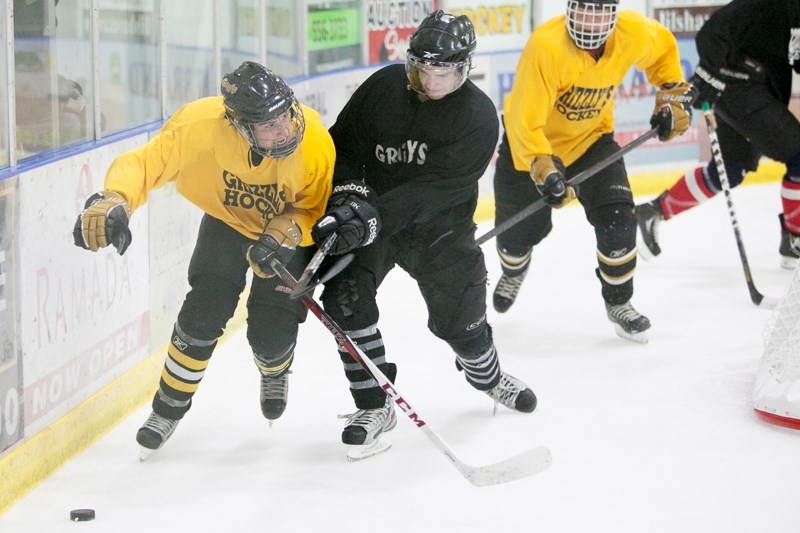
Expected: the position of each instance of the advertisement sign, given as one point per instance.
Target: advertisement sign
(84, 318)
(334, 35)
(499, 25)
(389, 26)
(11, 413)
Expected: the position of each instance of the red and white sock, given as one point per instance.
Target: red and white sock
(687, 192)
(790, 198)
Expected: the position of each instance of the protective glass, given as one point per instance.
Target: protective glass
(590, 24)
(435, 79)
(278, 137)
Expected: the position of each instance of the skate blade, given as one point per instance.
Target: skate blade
(642, 250)
(640, 337)
(788, 263)
(144, 453)
(365, 451)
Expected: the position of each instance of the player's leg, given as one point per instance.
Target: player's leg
(452, 280)
(349, 299)
(272, 325)
(696, 186)
(217, 277)
(608, 203)
(514, 191)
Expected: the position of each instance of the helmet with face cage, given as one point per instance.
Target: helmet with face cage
(254, 95)
(590, 23)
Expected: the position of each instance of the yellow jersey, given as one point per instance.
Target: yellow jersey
(562, 99)
(209, 161)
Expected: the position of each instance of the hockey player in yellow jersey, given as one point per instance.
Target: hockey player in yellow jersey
(558, 121)
(259, 164)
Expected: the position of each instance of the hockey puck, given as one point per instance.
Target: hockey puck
(81, 515)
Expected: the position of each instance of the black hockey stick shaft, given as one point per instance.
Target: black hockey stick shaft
(519, 466)
(716, 152)
(577, 180)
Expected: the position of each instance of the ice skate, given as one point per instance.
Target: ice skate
(648, 217)
(365, 431)
(155, 431)
(629, 323)
(789, 256)
(505, 294)
(274, 395)
(513, 393)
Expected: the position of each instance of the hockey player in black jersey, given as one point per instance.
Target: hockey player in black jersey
(747, 49)
(411, 144)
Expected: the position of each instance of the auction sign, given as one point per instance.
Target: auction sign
(390, 24)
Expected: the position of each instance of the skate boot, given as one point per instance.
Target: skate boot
(155, 431)
(789, 255)
(363, 432)
(505, 294)
(628, 322)
(648, 217)
(274, 395)
(513, 393)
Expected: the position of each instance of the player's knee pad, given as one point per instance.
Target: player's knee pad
(734, 172)
(349, 304)
(614, 227)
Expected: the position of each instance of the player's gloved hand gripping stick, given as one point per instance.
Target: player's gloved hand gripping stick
(578, 179)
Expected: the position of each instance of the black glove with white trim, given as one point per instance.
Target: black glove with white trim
(351, 216)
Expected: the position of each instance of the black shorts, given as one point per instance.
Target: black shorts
(514, 191)
(752, 121)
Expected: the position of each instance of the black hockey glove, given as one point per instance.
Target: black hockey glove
(547, 173)
(104, 221)
(711, 82)
(279, 241)
(672, 114)
(351, 216)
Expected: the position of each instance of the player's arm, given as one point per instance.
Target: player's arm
(106, 214)
(672, 112)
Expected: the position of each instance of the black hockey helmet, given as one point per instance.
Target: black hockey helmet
(444, 43)
(257, 101)
(590, 22)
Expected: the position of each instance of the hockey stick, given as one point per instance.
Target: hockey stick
(313, 265)
(711, 124)
(520, 466)
(578, 179)
(328, 274)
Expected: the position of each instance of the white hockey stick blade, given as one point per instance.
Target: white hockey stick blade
(768, 302)
(514, 468)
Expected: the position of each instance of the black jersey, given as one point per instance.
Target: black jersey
(765, 30)
(423, 159)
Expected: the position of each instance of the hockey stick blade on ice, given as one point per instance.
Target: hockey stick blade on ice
(520, 466)
(711, 124)
(577, 180)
